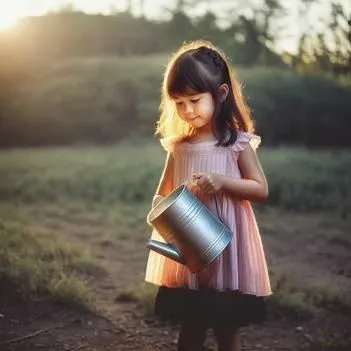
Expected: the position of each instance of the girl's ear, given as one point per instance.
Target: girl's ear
(223, 91)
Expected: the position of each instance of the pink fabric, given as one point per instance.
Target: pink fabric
(242, 265)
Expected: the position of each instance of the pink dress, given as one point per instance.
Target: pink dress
(242, 265)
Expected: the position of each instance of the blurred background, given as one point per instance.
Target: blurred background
(90, 72)
(79, 96)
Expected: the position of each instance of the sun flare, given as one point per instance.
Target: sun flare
(7, 23)
(9, 15)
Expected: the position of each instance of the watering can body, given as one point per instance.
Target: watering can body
(193, 235)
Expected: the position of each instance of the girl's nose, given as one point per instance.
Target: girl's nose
(189, 108)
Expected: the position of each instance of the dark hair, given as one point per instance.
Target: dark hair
(204, 70)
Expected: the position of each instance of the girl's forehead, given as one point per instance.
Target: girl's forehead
(187, 95)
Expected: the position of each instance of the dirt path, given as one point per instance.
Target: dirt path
(309, 249)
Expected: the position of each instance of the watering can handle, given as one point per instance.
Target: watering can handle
(192, 183)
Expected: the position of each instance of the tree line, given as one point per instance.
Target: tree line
(69, 77)
(249, 39)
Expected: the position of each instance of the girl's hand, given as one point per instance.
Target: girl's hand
(209, 183)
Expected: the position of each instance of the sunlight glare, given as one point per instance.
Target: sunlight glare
(9, 16)
(7, 22)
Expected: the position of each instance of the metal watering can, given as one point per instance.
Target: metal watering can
(193, 235)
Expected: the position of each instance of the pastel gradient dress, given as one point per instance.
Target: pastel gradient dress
(242, 265)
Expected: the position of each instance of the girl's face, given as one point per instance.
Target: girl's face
(196, 109)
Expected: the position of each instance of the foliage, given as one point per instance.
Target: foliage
(69, 77)
(248, 36)
(107, 99)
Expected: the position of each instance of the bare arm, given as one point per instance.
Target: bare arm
(165, 185)
(253, 186)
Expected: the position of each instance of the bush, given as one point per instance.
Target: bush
(106, 99)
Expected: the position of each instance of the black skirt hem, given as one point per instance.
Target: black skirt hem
(209, 307)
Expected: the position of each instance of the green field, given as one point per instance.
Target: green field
(299, 179)
(70, 216)
(110, 189)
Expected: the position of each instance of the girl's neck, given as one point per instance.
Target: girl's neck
(200, 136)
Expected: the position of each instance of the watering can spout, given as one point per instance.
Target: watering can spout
(167, 250)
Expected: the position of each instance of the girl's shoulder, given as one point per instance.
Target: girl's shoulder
(169, 143)
(242, 141)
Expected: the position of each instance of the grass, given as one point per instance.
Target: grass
(144, 294)
(38, 264)
(299, 179)
(305, 302)
(304, 180)
(288, 301)
(94, 175)
(101, 193)
(339, 342)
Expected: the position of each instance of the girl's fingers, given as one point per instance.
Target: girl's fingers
(204, 182)
(200, 181)
(207, 185)
(198, 175)
(210, 180)
(208, 189)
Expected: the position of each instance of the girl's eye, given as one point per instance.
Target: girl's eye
(194, 100)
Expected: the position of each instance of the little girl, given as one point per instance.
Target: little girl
(207, 131)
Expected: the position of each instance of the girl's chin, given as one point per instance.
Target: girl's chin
(201, 125)
(197, 122)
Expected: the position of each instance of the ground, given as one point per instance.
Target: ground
(308, 250)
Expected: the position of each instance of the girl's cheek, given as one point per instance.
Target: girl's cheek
(180, 110)
(207, 108)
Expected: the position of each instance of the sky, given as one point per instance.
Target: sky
(291, 27)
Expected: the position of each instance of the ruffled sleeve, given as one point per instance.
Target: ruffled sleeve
(244, 139)
(169, 143)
